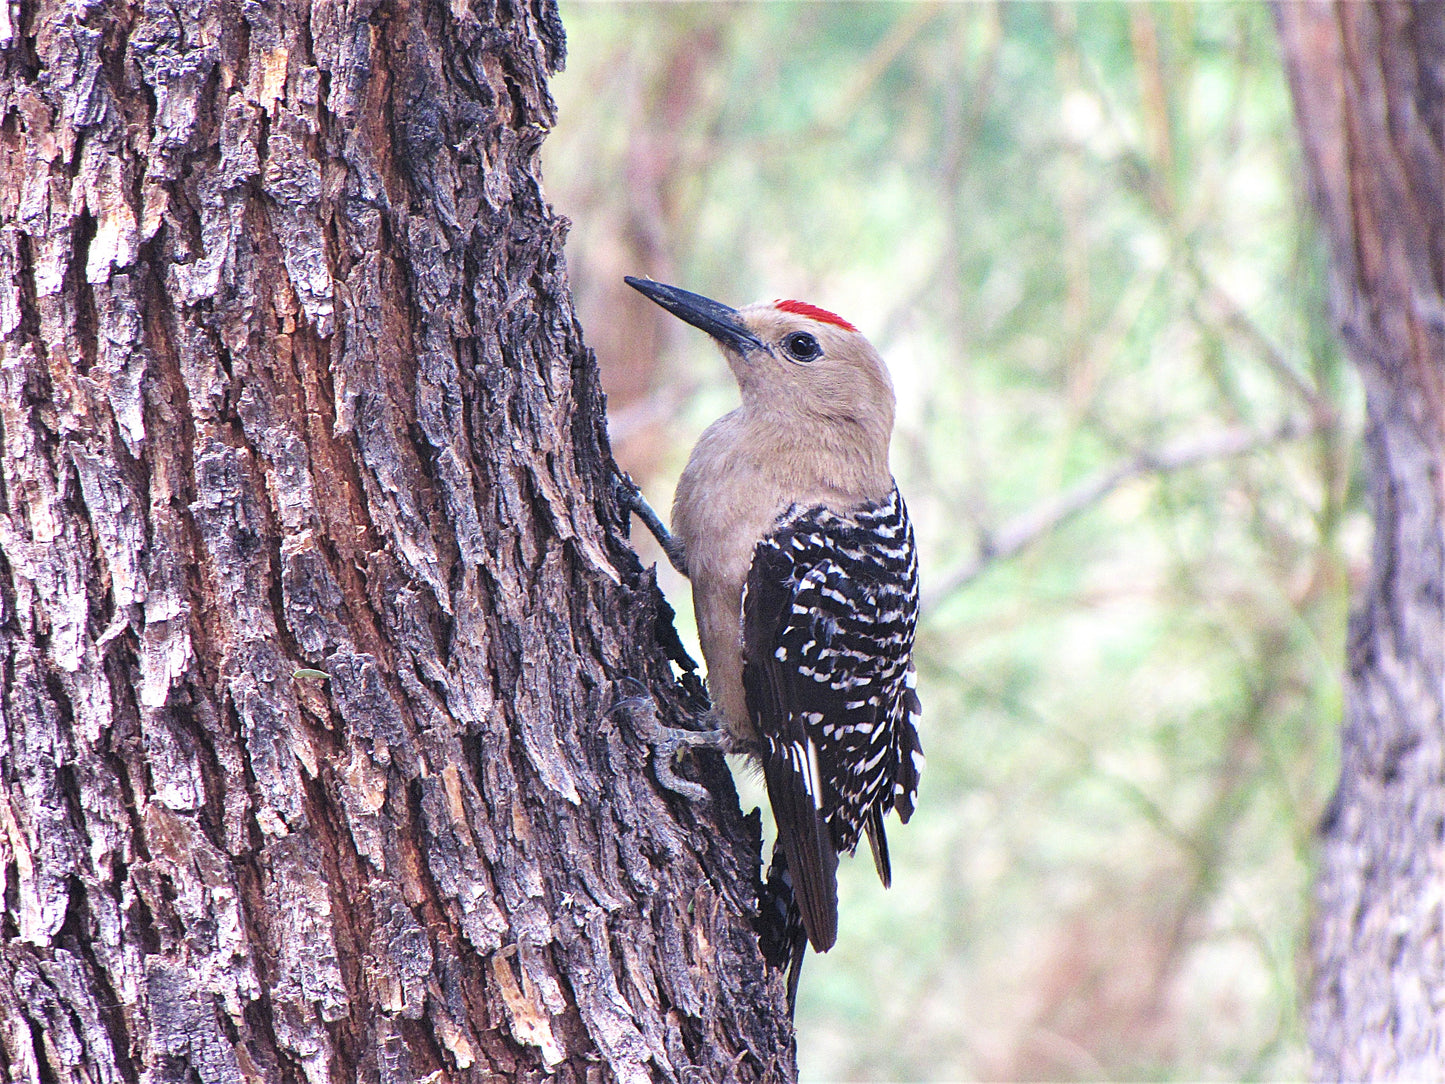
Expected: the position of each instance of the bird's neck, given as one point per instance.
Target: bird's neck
(839, 458)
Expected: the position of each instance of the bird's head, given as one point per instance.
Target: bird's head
(793, 360)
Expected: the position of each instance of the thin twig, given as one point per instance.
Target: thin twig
(1237, 319)
(1024, 530)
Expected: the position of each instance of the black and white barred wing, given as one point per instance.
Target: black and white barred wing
(790, 757)
(829, 614)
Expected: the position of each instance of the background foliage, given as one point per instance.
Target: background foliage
(1079, 235)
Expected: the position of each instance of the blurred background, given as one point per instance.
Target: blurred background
(1129, 440)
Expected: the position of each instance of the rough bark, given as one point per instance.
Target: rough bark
(290, 379)
(1369, 90)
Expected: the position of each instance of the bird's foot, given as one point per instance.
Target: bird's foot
(666, 742)
(665, 748)
(630, 497)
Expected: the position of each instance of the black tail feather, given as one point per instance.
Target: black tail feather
(878, 842)
(781, 934)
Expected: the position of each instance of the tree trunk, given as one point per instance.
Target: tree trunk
(1369, 90)
(290, 380)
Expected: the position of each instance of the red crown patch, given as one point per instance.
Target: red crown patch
(802, 308)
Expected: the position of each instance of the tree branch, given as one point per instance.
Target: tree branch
(1026, 529)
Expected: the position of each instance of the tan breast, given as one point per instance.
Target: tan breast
(724, 504)
(743, 474)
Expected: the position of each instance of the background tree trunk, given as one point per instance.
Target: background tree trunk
(291, 379)
(1369, 90)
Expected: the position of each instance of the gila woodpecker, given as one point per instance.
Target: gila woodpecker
(797, 542)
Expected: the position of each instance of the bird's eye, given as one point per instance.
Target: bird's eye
(802, 347)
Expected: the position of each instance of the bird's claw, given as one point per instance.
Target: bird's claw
(630, 497)
(667, 741)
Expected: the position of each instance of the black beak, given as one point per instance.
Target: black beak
(715, 318)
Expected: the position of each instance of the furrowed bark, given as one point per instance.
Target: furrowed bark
(1369, 90)
(290, 380)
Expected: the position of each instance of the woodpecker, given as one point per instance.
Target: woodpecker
(804, 576)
